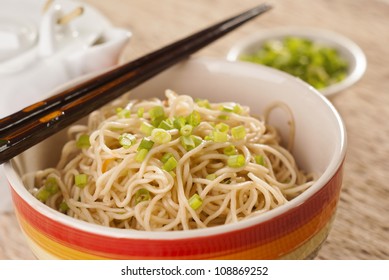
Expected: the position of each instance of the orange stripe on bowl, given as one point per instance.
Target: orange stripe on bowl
(313, 229)
(282, 234)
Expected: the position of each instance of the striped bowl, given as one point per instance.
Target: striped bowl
(295, 230)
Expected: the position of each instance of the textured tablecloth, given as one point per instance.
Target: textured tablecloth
(361, 227)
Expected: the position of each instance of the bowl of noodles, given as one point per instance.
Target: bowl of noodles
(209, 160)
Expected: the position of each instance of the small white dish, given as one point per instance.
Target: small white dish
(346, 48)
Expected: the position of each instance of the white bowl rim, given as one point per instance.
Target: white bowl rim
(346, 44)
(331, 170)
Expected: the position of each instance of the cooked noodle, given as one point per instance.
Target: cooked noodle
(112, 182)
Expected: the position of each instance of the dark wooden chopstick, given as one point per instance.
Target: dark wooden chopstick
(28, 127)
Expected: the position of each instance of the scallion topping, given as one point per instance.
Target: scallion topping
(187, 142)
(83, 141)
(236, 161)
(203, 103)
(223, 117)
(170, 164)
(259, 159)
(222, 127)
(194, 118)
(141, 155)
(179, 122)
(140, 112)
(186, 130)
(63, 207)
(227, 108)
(195, 201)
(238, 132)
(127, 140)
(123, 113)
(146, 143)
(142, 195)
(81, 180)
(157, 115)
(211, 177)
(166, 125)
(230, 150)
(43, 194)
(165, 157)
(160, 136)
(238, 109)
(146, 128)
(197, 140)
(219, 136)
(51, 185)
(156, 112)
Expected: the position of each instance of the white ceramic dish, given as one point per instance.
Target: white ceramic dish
(347, 49)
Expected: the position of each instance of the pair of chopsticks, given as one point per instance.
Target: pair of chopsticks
(33, 124)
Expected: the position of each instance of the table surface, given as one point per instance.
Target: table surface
(361, 227)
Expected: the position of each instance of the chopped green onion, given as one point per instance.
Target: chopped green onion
(187, 142)
(219, 137)
(211, 177)
(165, 125)
(195, 201)
(141, 155)
(238, 132)
(63, 207)
(146, 143)
(259, 159)
(80, 180)
(237, 109)
(172, 173)
(157, 121)
(236, 161)
(160, 136)
(157, 115)
(227, 108)
(142, 195)
(197, 140)
(156, 112)
(123, 113)
(118, 109)
(140, 112)
(127, 140)
(83, 141)
(166, 156)
(313, 62)
(222, 127)
(170, 164)
(223, 117)
(194, 118)
(51, 185)
(146, 128)
(230, 150)
(179, 122)
(203, 103)
(208, 138)
(186, 130)
(43, 194)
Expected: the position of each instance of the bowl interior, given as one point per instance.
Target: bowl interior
(320, 137)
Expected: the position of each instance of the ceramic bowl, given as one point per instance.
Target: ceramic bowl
(347, 49)
(295, 230)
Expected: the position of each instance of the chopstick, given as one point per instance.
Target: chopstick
(35, 123)
(10, 122)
